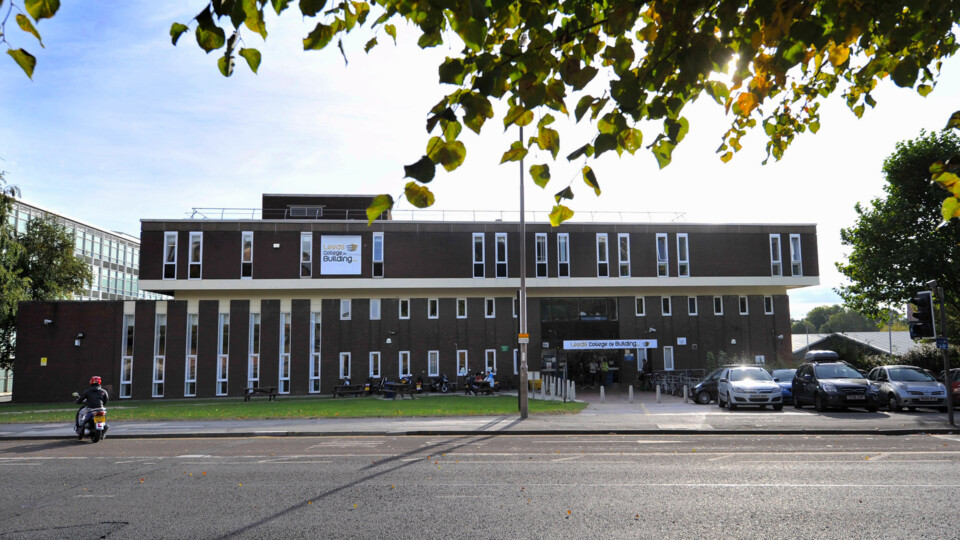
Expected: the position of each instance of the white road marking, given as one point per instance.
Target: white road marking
(948, 437)
(569, 458)
(194, 456)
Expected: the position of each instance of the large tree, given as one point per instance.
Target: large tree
(899, 241)
(627, 65)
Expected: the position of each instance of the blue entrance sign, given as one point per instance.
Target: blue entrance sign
(941, 343)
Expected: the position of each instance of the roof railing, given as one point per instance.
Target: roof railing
(582, 216)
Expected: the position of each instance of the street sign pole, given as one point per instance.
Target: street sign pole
(522, 394)
(947, 380)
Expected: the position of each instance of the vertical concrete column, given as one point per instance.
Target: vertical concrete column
(602, 395)
(631, 393)
(686, 393)
(573, 391)
(658, 393)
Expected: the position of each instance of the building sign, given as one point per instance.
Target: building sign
(340, 255)
(572, 345)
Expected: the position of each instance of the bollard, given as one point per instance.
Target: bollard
(686, 393)
(543, 390)
(658, 393)
(573, 392)
(602, 399)
(631, 393)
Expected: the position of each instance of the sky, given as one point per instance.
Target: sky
(118, 125)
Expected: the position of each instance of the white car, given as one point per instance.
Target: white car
(748, 386)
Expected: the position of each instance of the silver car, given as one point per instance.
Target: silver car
(748, 386)
(908, 387)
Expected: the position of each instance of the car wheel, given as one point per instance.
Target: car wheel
(818, 403)
(703, 397)
(778, 407)
(893, 403)
(730, 403)
(720, 402)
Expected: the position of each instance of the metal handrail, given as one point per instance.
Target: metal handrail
(583, 216)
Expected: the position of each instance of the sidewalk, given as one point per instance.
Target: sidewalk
(615, 416)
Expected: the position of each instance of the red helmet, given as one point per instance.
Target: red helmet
(95, 380)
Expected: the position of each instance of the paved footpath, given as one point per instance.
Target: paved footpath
(616, 414)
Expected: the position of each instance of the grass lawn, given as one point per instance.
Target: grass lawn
(234, 408)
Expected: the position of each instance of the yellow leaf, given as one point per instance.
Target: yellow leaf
(951, 208)
(747, 101)
(949, 181)
(838, 53)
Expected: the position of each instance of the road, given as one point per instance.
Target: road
(491, 486)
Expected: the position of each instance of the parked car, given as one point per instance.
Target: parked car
(784, 377)
(908, 387)
(833, 384)
(954, 384)
(705, 391)
(748, 386)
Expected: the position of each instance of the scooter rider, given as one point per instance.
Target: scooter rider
(93, 397)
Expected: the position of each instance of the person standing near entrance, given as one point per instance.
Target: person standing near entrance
(604, 371)
(593, 372)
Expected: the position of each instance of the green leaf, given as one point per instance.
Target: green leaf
(254, 17)
(451, 130)
(578, 152)
(422, 171)
(604, 142)
(591, 179)
(41, 9)
(446, 114)
(565, 193)
(452, 71)
(559, 214)
(370, 44)
(540, 174)
(27, 26)
(924, 89)
(663, 150)
(582, 106)
(954, 121)
(209, 36)
(225, 63)
(951, 208)
(517, 115)
(391, 30)
(630, 139)
(279, 5)
(252, 56)
(309, 8)
(25, 60)
(176, 30)
(380, 204)
(549, 139)
(419, 196)
(321, 36)
(476, 110)
(449, 154)
(905, 74)
(516, 153)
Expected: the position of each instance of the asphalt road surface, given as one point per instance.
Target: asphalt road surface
(498, 486)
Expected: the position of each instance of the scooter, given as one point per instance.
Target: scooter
(93, 424)
(439, 384)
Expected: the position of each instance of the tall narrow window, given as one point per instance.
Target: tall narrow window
(603, 256)
(404, 364)
(683, 255)
(195, 266)
(126, 361)
(345, 307)
(641, 306)
(744, 307)
(374, 364)
(775, 258)
(314, 352)
(306, 254)
(404, 308)
(253, 352)
(344, 365)
(378, 254)
(796, 264)
(501, 246)
(490, 360)
(433, 308)
(623, 248)
(374, 309)
(768, 305)
(663, 259)
(490, 308)
(462, 368)
(433, 363)
(170, 255)
(246, 255)
(190, 369)
(478, 255)
(563, 255)
(668, 358)
(516, 362)
(223, 354)
(541, 254)
(691, 305)
(284, 375)
(159, 354)
(461, 308)
(718, 305)
(666, 306)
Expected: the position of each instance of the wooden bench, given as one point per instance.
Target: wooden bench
(482, 388)
(269, 391)
(399, 389)
(344, 389)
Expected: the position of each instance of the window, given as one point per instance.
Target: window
(246, 255)
(501, 246)
(668, 358)
(744, 308)
(170, 255)
(223, 354)
(404, 308)
(306, 254)
(196, 255)
(665, 306)
(691, 305)
(490, 360)
(190, 368)
(284, 375)
(375, 364)
(768, 305)
(461, 308)
(404, 363)
(683, 255)
(775, 268)
(796, 264)
(345, 309)
(478, 255)
(641, 306)
(433, 363)
(516, 306)
(717, 305)
(540, 245)
(462, 368)
(344, 365)
(433, 308)
(314, 352)
(563, 255)
(759, 359)
(126, 361)
(489, 308)
(253, 353)
(159, 354)
(623, 248)
(603, 256)
(378, 254)
(663, 259)
(374, 309)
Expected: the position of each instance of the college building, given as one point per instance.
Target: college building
(305, 293)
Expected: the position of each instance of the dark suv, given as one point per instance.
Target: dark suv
(832, 384)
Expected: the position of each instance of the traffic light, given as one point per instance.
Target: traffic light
(921, 317)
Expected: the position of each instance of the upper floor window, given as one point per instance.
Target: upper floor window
(378, 254)
(501, 239)
(374, 309)
(796, 264)
(663, 259)
(478, 255)
(246, 255)
(541, 254)
(563, 255)
(683, 255)
(404, 308)
(718, 305)
(641, 306)
(461, 308)
(196, 255)
(691, 305)
(666, 306)
(433, 308)
(490, 310)
(775, 265)
(170, 255)
(306, 254)
(345, 309)
(603, 256)
(623, 248)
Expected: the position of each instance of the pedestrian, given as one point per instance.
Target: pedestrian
(604, 371)
(593, 372)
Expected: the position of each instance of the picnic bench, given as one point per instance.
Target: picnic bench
(398, 389)
(481, 388)
(342, 390)
(269, 391)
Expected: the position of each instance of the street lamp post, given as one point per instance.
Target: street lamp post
(522, 308)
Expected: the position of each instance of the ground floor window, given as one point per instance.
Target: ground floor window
(344, 365)
(314, 373)
(433, 363)
(253, 371)
(284, 374)
(190, 377)
(462, 367)
(404, 363)
(375, 364)
(158, 376)
(490, 360)
(668, 358)
(126, 376)
(223, 366)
